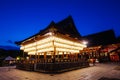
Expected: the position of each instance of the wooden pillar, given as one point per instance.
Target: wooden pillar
(51, 55)
(67, 55)
(29, 56)
(76, 55)
(45, 56)
(63, 55)
(38, 57)
(70, 56)
(54, 55)
(81, 53)
(58, 55)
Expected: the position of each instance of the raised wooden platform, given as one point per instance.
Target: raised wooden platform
(56, 67)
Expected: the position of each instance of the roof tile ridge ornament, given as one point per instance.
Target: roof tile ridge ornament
(52, 27)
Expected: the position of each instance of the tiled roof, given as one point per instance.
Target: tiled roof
(65, 26)
(101, 38)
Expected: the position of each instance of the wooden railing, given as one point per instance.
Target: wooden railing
(59, 67)
(53, 67)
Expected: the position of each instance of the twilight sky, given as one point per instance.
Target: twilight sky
(20, 19)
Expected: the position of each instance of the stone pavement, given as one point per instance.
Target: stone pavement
(108, 70)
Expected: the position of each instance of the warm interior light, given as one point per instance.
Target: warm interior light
(67, 50)
(49, 33)
(57, 44)
(49, 43)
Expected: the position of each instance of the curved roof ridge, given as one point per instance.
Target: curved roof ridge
(69, 25)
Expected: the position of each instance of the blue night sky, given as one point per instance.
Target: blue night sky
(20, 19)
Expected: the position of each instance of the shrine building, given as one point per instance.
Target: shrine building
(58, 42)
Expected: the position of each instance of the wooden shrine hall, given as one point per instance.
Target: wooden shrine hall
(54, 49)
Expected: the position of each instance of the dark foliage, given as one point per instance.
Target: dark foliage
(12, 53)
